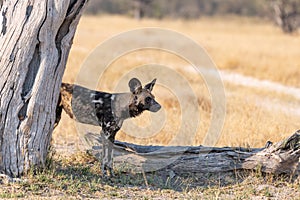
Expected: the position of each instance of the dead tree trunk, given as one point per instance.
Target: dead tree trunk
(282, 157)
(35, 39)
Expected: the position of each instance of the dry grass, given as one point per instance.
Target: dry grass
(77, 177)
(240, 45)
(248, 46)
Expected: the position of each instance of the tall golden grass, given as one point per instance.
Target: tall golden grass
(241, 45)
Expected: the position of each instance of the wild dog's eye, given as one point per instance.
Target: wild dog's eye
(148, 99)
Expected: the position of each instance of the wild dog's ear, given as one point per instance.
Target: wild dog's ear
(150, 86)
(135, 85)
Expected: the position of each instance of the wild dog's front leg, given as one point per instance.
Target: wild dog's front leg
(108, 133)
(107, 153)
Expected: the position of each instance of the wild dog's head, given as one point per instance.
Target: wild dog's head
(142, 98)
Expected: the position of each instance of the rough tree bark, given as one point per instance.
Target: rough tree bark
(279, 158)
(35, 39)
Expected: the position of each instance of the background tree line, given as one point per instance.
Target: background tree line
(283, 12)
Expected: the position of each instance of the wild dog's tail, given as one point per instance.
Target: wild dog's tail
(59, 108)
(64, 101)
(66, 92)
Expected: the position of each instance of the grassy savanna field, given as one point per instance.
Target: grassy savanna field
(259, 65)
(242, 46)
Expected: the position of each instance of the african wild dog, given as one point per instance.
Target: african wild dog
(107, 110)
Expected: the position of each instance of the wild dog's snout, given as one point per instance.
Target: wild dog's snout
(154, 106)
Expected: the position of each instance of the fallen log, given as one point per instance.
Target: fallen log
(279, 158)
